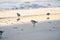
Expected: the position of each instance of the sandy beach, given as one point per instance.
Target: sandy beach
(39, 14)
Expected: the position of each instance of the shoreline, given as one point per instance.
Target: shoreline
(17, 23)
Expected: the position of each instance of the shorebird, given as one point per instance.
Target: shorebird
(33, 22)
(18, 14)
(48, 14)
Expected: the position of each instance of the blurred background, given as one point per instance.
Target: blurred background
(23, 4)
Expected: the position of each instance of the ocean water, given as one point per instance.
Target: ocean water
(25, 4)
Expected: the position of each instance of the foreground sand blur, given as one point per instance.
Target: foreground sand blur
(39, 14)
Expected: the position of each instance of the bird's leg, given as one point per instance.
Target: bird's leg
(33, 25)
